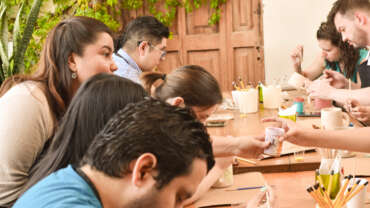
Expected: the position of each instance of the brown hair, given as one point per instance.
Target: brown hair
(193, 83)
(345, 7)
(53, 73)
(349, 55)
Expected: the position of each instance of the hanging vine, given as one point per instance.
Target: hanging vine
(171, 7)
(107, 11)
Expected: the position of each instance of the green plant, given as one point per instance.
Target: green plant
(12, 59)
(171, 7)
(27, 32)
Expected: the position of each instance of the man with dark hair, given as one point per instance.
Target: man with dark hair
(149, 154)
(140, 47)
(352, 19)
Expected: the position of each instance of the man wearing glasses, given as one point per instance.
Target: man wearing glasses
(141, 47)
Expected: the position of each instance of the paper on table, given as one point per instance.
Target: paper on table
(220, 117)
(221, 196)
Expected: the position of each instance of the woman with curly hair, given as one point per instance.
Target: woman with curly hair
(336, 55)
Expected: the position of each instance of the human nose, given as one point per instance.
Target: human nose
(344, 37)
(113, 67)
(324, 54)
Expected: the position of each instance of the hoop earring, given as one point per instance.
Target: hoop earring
(74, 75)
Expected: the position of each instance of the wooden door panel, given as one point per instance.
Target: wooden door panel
(243, 39)
(210, 60)
(172, 62)
(197, 22)
(245, 64)
(202, 42)
(242, 11)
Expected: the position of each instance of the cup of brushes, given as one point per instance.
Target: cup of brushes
(351, 194)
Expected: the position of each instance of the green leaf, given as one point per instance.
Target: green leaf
(27, 34)
(4, 27)
(4, 36)
(16, 29)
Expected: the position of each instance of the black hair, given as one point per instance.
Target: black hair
(144, 28)
(170, 133)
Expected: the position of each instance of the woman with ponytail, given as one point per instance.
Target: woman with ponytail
(32, 105)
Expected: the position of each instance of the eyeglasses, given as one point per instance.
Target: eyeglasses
(163, 52)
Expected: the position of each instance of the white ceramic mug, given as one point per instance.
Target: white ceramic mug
(271, 96)
(248, 101)
(333, 118)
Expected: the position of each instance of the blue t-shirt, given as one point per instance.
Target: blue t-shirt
(363, 54)
(64, 188)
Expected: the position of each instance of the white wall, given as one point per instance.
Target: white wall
(288, 23)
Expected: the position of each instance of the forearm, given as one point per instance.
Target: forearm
(310, 74)
(225, 146)
(361, 95)
(356, 139)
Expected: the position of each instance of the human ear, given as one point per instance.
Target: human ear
(143, 169)
(143, 47)
(72, 62)
(360, 18)
(176, 101)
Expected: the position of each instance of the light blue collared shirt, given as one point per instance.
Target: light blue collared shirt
(127, 67)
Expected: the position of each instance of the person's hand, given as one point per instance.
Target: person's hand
(350, 104)
(291, 130)
(297, 58)
(264, 196)
(251, 147)
(335, 79)
(320, 88)
(361, 113)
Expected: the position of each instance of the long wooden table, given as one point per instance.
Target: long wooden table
(251, 125)
(289, 185)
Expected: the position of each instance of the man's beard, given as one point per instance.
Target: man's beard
(360, 38)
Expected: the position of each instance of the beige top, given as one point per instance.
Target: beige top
(25, 125)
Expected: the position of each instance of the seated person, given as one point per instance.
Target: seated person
(336, 55)
(96, 101)
(193, 87)
(31, 105)
(141, 47)
(149, 154)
